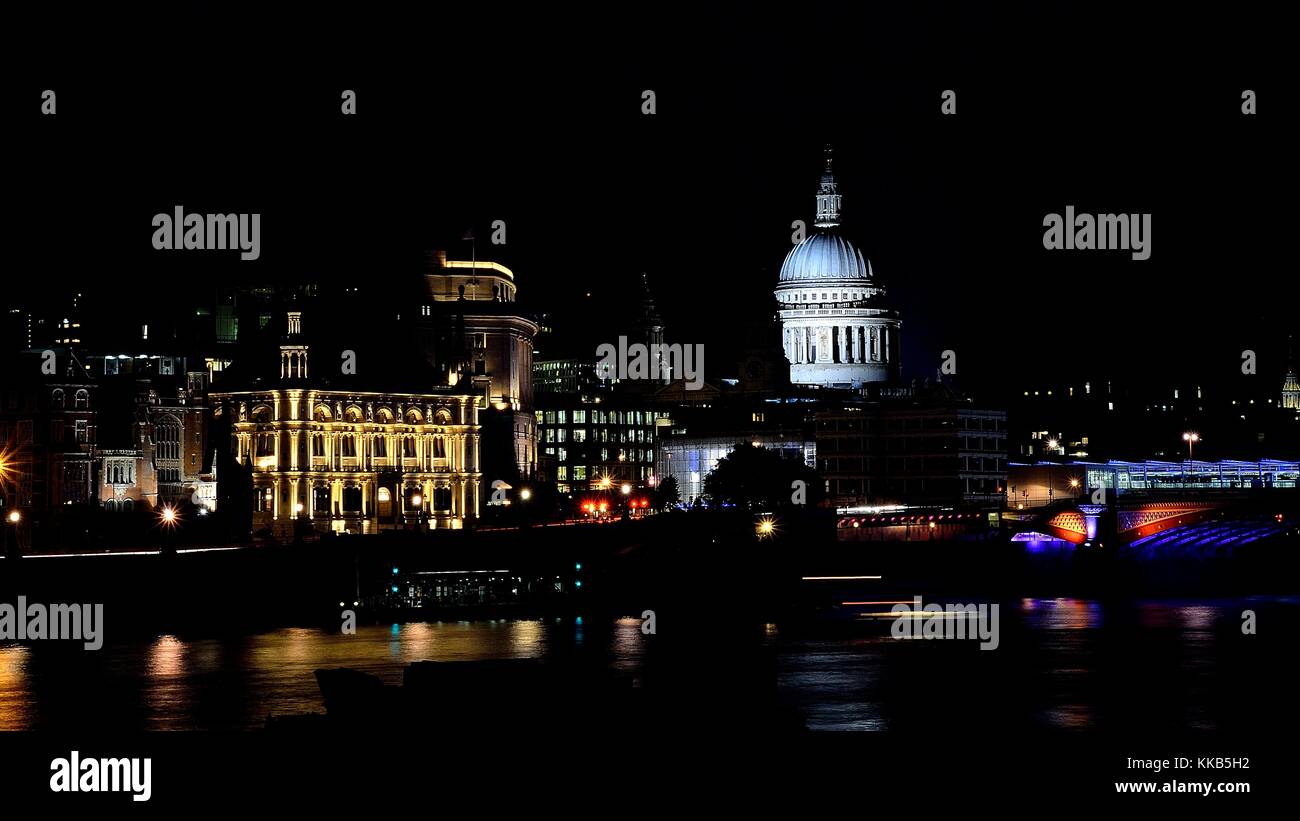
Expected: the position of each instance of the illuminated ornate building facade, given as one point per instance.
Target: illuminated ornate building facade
(1291, 386)
(835, 330)
(48, 434)
(158, 455)
(484, 330)
(340, 458)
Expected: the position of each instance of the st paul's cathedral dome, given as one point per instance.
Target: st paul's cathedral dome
(835, 331)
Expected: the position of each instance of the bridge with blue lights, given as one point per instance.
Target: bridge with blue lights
(1191, 503)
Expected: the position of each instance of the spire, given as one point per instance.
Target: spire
(649, 321)
(828, 198)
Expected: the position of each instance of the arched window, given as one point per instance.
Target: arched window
(56, 398)
(83, 399)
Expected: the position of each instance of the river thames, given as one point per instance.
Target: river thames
(1062, 664)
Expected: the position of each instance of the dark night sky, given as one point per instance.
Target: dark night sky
(533, 116)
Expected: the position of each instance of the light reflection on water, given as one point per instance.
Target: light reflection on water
(15, 693)
(1062, 664)
(1059, 665)
(1061, 614)
(175, 683)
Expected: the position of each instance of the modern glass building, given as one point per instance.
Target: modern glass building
(691, 458)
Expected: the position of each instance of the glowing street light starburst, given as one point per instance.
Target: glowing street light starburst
(168, 517)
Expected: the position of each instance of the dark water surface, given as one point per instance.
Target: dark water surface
(1064, 664)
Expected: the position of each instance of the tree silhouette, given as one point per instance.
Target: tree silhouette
(760, 478)
(666, 493)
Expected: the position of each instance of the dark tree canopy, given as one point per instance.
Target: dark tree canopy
(760, 478)
(666, 493)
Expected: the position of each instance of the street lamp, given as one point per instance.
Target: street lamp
(1191, 439)
(525, 494)
(13, 518)
(627, 489)
(169, 521)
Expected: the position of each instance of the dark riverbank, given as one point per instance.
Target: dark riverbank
(687, 566)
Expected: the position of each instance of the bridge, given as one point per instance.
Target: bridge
(1080, 502)
(1126, 521)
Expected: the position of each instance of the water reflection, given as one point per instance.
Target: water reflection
(168, 684)
(627, 645)
(1061, 614)
(1063, 664)
(16, 707)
